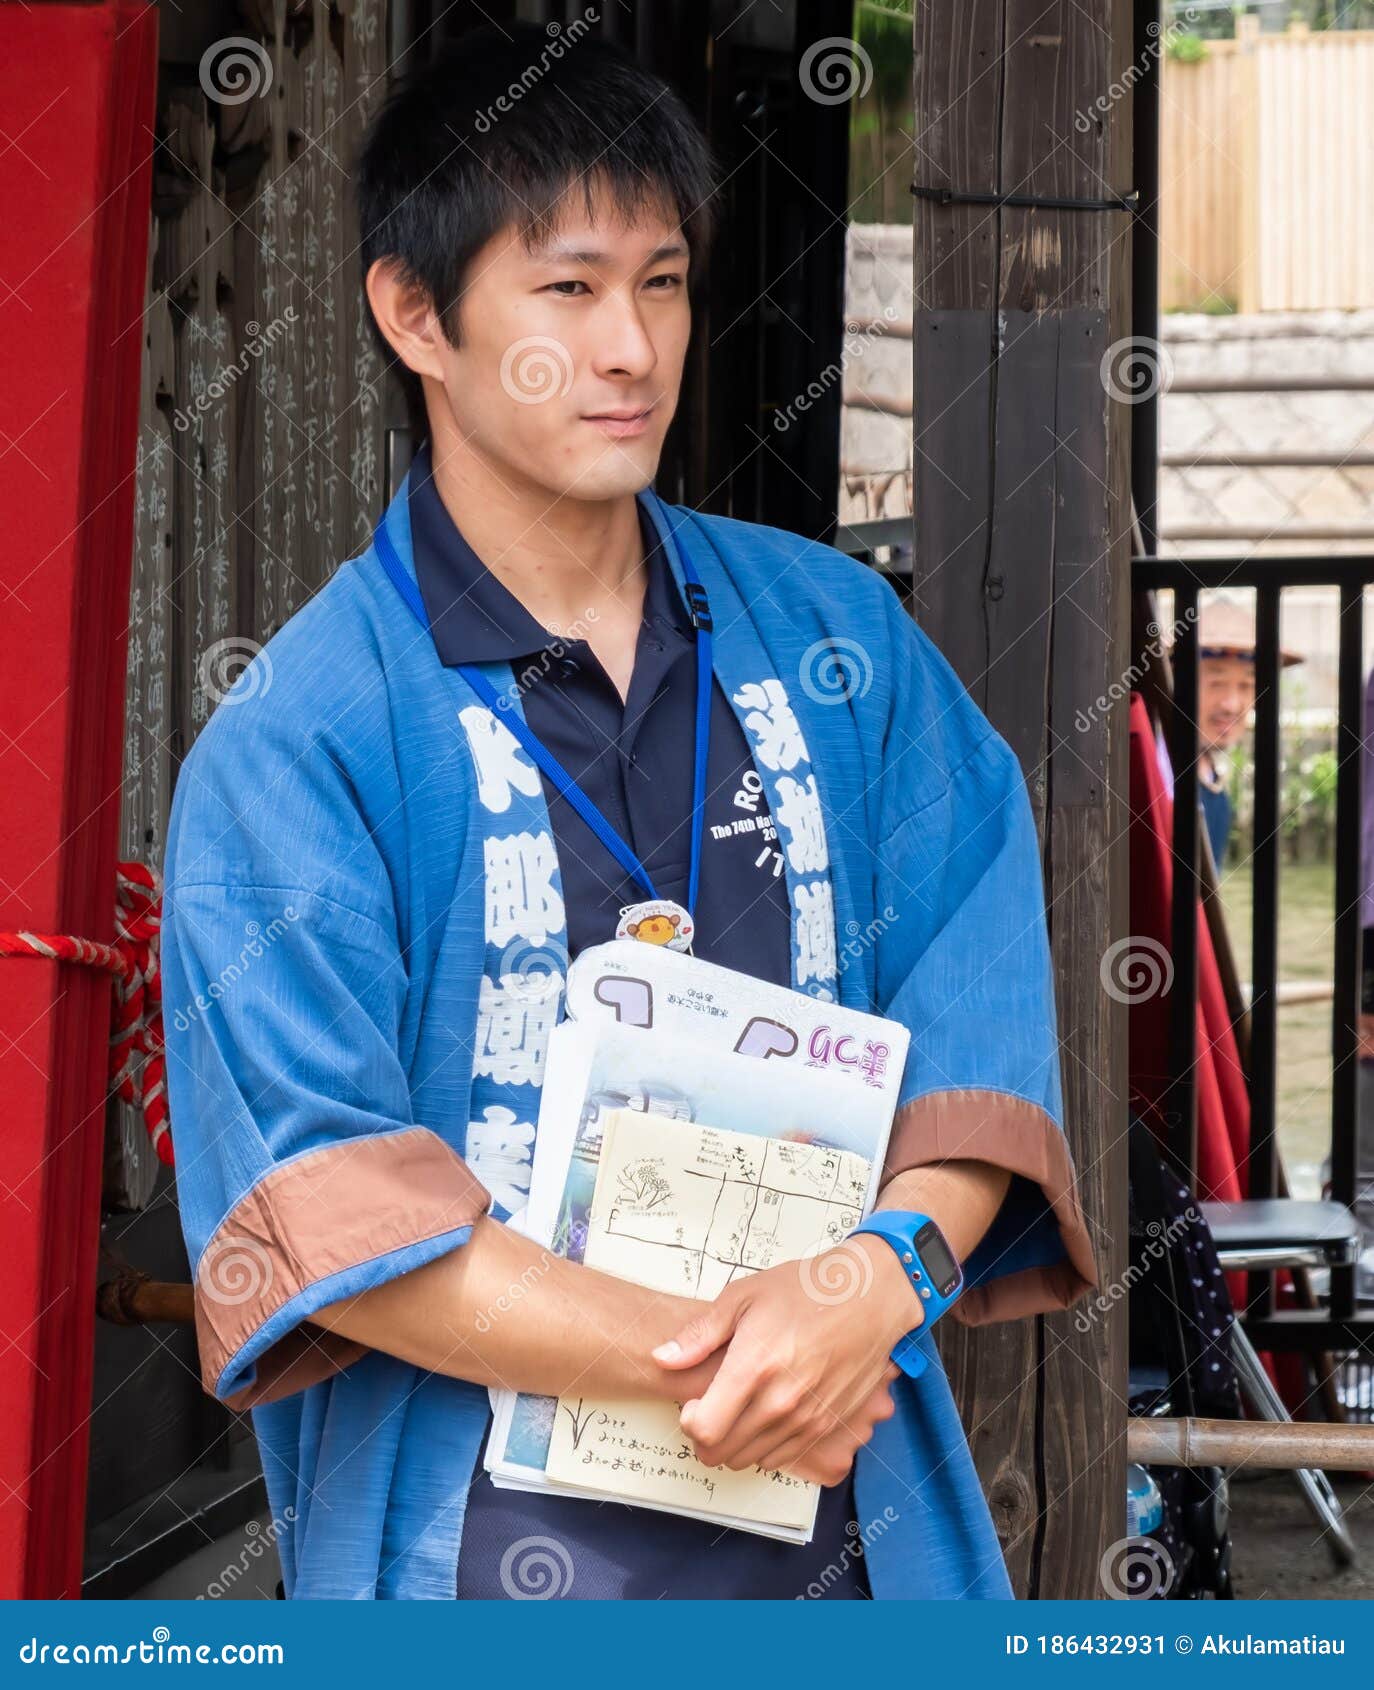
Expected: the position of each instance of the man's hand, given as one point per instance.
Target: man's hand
(805, 1375)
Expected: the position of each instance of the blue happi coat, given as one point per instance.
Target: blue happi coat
(361, 884)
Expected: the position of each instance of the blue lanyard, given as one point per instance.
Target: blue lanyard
(544, 759)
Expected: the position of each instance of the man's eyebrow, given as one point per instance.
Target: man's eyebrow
(589, 255)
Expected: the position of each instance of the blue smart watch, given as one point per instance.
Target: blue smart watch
(931, 1269)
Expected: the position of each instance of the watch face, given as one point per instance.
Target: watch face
(938, 1259)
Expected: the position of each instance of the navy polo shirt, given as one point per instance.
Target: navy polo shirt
(634, 760)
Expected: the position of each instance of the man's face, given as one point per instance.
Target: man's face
(1226, 695)
(596, 320)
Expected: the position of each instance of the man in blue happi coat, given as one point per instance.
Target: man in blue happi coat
(540, 699)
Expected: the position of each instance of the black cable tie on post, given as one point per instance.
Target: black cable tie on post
(1043, 202)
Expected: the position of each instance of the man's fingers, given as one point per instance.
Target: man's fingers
(820, 1460)
(712, 1416)
(702, 1335)
(773, 1410)
(815, 1455)
(770, 1432)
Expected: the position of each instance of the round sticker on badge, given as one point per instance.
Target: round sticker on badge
(659, 921)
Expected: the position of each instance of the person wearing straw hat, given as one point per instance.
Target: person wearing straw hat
(1226, 696)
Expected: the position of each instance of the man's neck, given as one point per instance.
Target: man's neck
(575, 564)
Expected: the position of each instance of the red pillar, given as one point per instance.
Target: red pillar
(77, 103)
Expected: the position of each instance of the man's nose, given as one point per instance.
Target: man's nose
(625, 346)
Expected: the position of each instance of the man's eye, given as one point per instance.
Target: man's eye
(568, 284)
(665, 284)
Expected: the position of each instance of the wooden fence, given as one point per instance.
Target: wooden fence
(1266, 171)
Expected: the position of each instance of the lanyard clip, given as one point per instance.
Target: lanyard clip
(698, 606)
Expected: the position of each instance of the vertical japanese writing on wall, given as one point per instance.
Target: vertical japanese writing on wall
(259, 455)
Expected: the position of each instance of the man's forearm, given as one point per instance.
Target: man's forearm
(962, 1197)
(501, 1310)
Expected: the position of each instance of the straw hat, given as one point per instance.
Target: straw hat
(1226, 628)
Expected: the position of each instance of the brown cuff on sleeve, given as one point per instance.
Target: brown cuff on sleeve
(312, 1217)
(1012, 1133)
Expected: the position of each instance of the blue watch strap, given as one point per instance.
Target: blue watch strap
(931, 1268)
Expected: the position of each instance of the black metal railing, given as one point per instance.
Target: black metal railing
(1339, 1326)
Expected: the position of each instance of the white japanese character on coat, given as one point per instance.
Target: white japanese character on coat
(799, 812)
(777, 734)
(816, 958)
(522, 900)
(513, 1028)
(500, 1149)
(501, 764)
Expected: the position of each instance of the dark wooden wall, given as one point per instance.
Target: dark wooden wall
(258, 471)
(1021, 564)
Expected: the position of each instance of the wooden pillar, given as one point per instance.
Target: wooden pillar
(1022, 552)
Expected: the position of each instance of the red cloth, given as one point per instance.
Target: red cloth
(77, 86)
(1223, 1102)
(1223, 1105)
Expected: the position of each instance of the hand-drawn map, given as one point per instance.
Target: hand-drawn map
(686, 1208)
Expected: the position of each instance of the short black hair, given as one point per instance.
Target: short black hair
(495, 130)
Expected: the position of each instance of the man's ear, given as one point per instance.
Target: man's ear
(406, 316)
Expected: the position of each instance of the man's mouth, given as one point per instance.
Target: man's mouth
(622, 422)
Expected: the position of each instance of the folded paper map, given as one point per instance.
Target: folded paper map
(684, 1207)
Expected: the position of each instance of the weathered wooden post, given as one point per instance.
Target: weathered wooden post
(1022, 255)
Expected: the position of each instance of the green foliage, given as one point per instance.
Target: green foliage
(881, 120)
(1187, 49)
(1307, 786)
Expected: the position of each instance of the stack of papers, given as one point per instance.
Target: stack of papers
(697, 1125)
